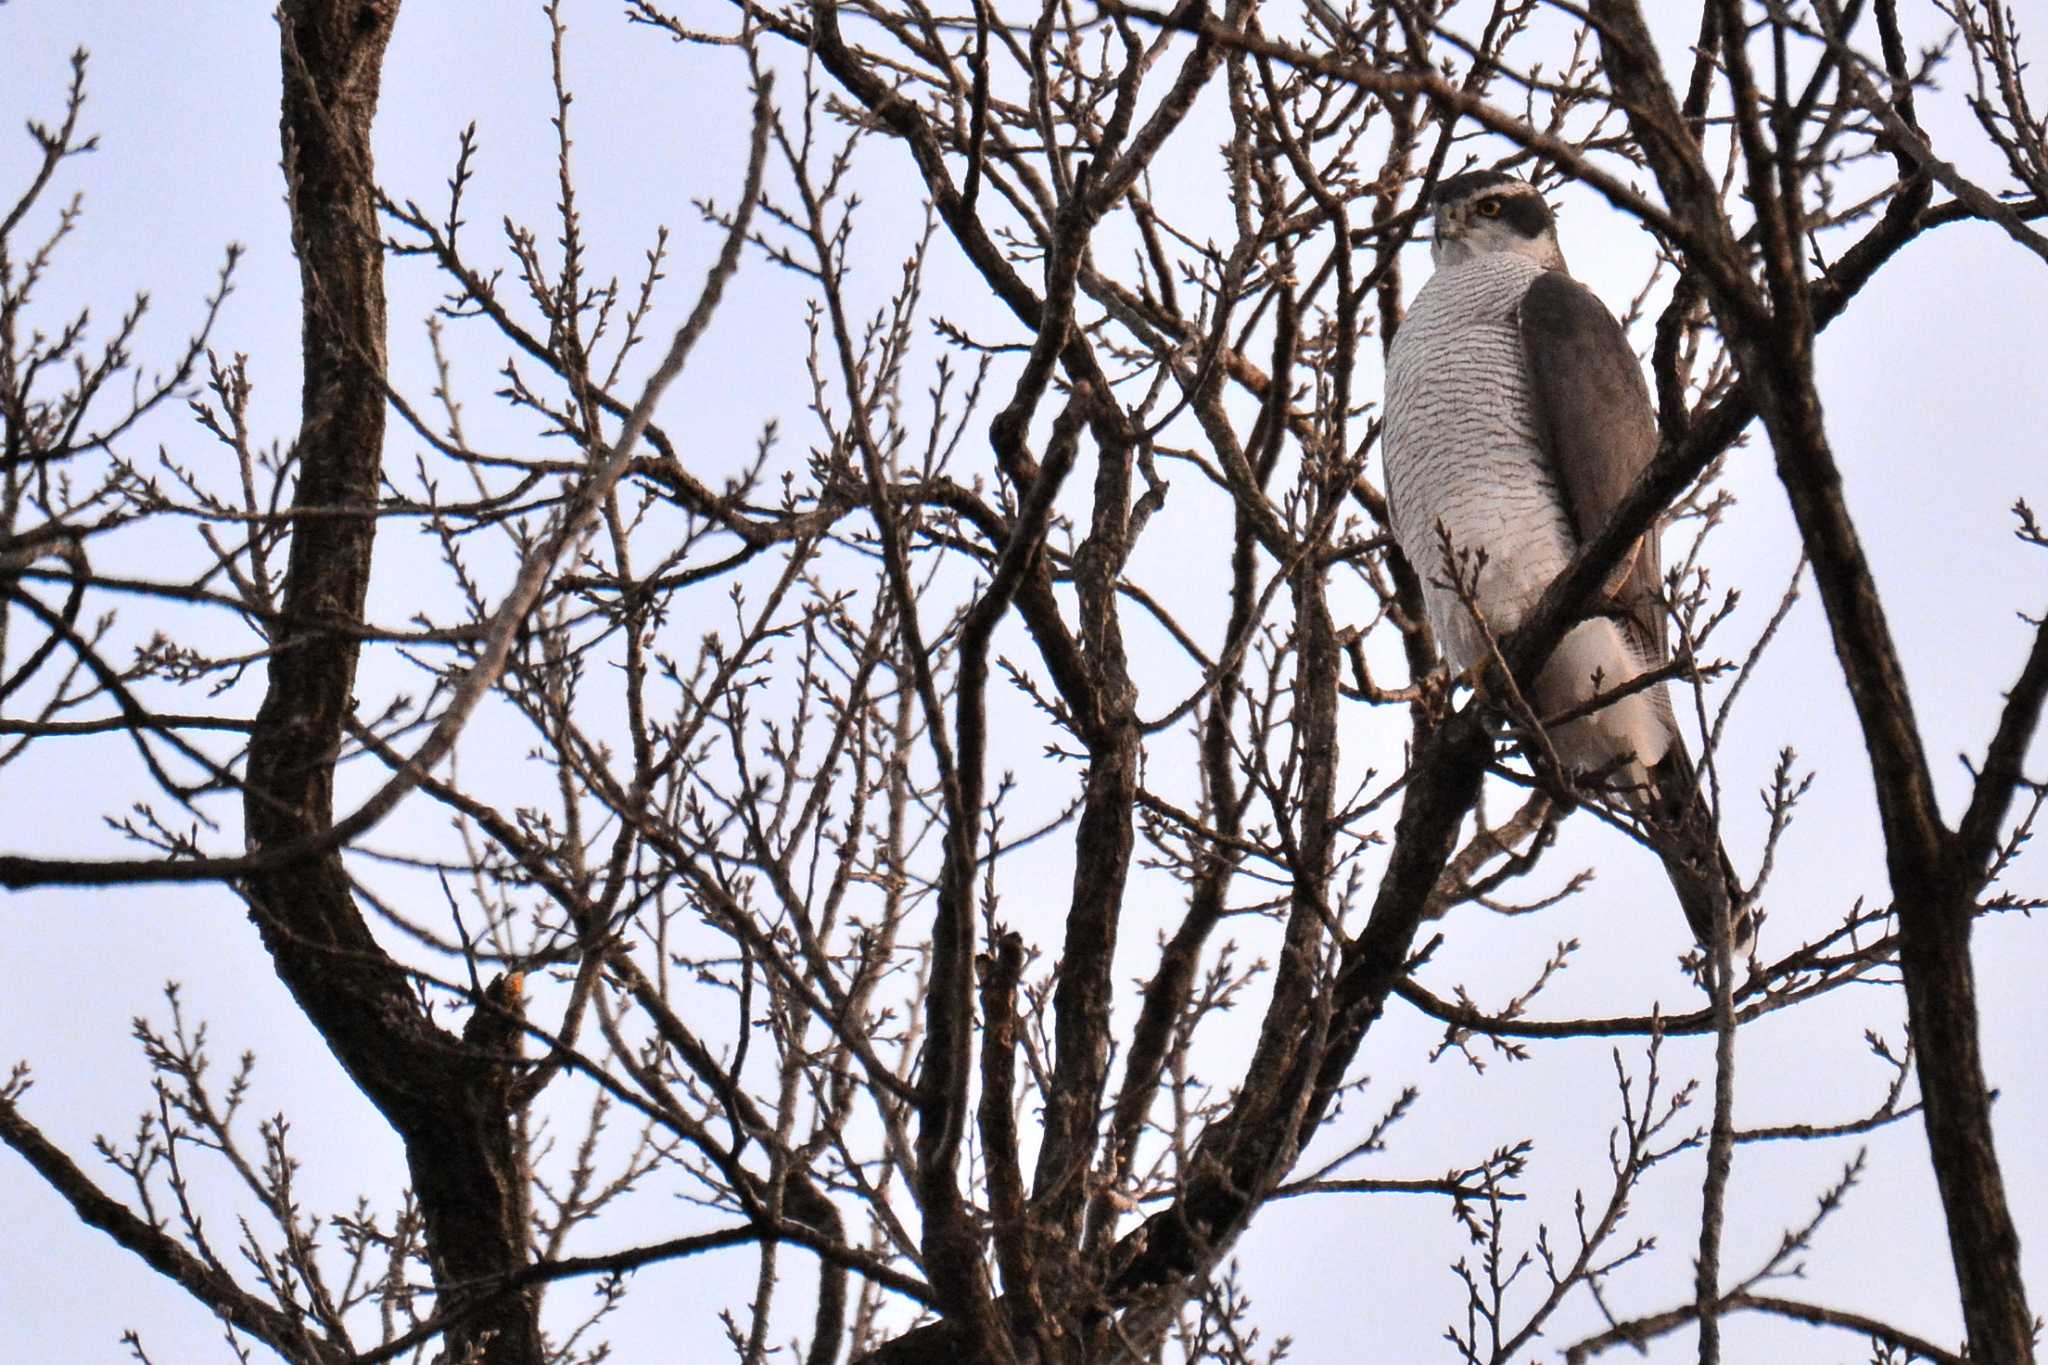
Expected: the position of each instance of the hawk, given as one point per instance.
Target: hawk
(1516, 419)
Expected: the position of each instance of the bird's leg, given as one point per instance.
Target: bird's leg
(1618, 578)
(1548, 768)
(1473, 676)
(1490, 670)
(1464, 567)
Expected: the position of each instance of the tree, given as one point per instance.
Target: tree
(971, 849)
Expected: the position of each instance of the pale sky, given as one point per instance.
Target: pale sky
(1936, 405)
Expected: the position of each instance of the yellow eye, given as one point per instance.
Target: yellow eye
(1489, 208)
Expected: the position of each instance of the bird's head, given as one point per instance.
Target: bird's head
(1488, 213)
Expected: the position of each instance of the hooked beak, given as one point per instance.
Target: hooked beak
(1448, 229)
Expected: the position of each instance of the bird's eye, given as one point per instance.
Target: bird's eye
(1489, 208)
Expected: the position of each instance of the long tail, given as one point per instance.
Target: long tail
(1690, 846)
(1621, 735)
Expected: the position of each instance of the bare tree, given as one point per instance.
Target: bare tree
(768, 918)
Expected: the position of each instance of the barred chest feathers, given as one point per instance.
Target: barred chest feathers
(1461, 448)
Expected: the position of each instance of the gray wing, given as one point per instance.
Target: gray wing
(1594, 418)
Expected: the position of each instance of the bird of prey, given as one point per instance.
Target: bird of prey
(1516, 419)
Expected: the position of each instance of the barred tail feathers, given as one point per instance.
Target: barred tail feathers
(1657, 777)
(1690, 846)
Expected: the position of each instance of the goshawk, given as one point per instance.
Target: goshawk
(1516, 420)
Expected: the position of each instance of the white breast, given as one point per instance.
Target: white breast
(1461, 448)
(1462, 451)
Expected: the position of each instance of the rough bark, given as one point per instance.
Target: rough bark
(1933, 880)
(448, 1101)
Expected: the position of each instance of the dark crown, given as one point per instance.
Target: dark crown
(1524, 210)
(1459, 187)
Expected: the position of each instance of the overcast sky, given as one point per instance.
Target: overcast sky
(1937, 400)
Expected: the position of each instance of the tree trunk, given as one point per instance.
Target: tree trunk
(447, 1100)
